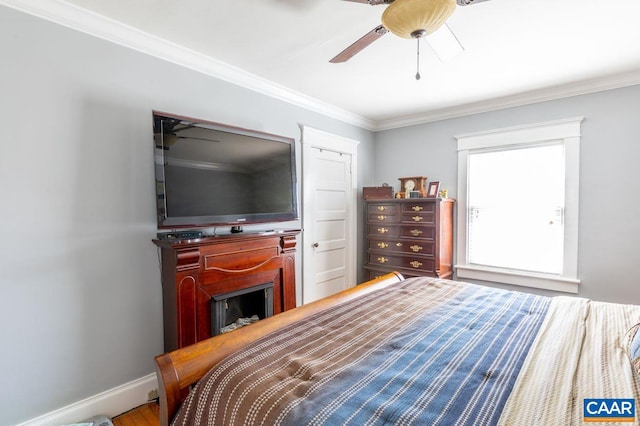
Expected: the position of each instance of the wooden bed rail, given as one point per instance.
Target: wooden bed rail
(180, 369)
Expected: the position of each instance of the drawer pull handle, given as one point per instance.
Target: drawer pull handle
(415, 232)
(417, 218)
(383, 245)
(381, 208)
(398, 244)
(417, 208)
(416, 264)
(415, 249)
(381, 217)
(383, 260)
(383, 230)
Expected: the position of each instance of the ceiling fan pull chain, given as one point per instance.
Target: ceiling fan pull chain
(418, 60)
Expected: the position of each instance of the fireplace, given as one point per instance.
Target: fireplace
(236, 309)
(193, 271)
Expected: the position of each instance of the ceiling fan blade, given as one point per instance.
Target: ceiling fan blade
(360, 44)
(375, 2)
(445, 43)
(463, 2)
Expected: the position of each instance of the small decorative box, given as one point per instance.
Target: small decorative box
(377, 192)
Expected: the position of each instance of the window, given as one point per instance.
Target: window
(518, 205)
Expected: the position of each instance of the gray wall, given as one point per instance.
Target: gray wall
(609, 231)
(81, 306)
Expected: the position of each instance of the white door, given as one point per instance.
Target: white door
(329, 213)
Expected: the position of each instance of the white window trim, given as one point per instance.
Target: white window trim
(566, 131)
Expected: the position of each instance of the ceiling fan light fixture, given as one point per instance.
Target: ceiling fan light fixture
(408, 18)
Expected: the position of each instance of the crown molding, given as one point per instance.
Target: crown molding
(584, 87)
(76, 18)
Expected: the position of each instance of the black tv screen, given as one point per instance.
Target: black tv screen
(210, 174)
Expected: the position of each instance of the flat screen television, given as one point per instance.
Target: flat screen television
(210, 174)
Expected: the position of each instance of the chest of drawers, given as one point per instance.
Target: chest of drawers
(412, 236)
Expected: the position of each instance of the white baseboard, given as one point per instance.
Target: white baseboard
(109, 403)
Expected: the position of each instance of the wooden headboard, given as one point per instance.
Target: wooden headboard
(180, 369)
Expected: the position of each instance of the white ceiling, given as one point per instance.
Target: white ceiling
(516, 51)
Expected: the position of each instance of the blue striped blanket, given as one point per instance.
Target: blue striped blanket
(424, 351)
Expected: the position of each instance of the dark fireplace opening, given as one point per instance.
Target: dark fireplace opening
(236, 309)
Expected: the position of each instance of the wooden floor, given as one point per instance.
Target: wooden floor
(145, 415)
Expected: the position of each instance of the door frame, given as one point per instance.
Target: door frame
(315, 138)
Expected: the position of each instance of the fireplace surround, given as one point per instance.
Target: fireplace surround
(197, 270)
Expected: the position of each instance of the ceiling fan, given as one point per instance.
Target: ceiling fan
(167, 129)
(404, 18)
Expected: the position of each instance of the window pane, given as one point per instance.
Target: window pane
(516, 208)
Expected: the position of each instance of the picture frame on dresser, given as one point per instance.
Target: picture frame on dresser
(432, 191)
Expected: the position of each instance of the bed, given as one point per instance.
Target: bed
(411, 351)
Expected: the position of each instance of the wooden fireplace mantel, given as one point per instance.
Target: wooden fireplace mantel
(193, 271)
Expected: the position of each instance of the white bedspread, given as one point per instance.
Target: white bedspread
(577, 354)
